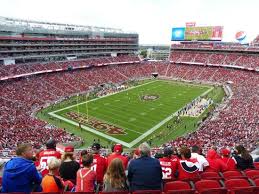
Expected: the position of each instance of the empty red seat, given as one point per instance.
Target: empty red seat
(215, 191)
(210, 176)
(46, 192)
(209, 186)
(239, 186)
(176, 185)
(117, 192)
(191, 191)
(67, 192)
(15, 193)
(194, 179)
(256, 164)
(233, 174)
(147, 192)
(256, 181)
(252, 174)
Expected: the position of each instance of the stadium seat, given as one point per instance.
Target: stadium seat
(188, 191)
(147, 192)
(214, 191)
(209, 186)
(115, 192)
(210, 176)
(194, 179)
(239, 186)
(48, 193)
(252, 174)
(15, 193)
(67, 192)
(176, 185)
(232, 174)
(256, 181)
(256, 164)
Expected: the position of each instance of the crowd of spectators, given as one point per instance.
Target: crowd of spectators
(217, 58)
(19, 97)
(140, 171)
(18, 69)
(238, 122)
(212, 46)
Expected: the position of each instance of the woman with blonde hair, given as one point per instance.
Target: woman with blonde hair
(115, 177)
(51, 181)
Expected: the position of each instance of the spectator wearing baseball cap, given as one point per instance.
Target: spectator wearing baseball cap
(117, 150)
(225, 157)
(215, 164)
(168, 164)
(69, 166)
(136, 153)
(99, 164)
(47, 154)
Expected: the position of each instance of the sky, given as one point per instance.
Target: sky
(151, 19)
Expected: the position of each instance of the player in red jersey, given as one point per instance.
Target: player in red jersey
(168, 165)
(47, 154)
(99, 164)
(117, 154)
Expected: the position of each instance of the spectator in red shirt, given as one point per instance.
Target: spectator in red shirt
(188, 168)
(117, 154)
(85, 179)
(230, 162)
(215, 164)
(168, 164)
(99, 164)
(47, 154)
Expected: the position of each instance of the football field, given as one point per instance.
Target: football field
(129, 116)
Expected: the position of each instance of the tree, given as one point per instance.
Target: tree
(143, 53)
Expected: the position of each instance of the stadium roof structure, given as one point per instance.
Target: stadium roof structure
(31, 26)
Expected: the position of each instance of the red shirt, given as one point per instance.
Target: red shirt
(85, 179)
(99, 165)
(169, 167)
(117, 155)
(230, 162)
(216, 165)
(188, 169)
(45, 156)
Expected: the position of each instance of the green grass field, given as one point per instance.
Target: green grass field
(127, 118)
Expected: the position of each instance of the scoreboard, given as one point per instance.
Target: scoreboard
(208, 33)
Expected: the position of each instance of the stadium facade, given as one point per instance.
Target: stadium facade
(24, 41)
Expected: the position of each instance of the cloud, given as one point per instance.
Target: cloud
(152, 19)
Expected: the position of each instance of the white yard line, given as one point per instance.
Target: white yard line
(147, 133)
(91, 130)
(102, 97)
(131, 144)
